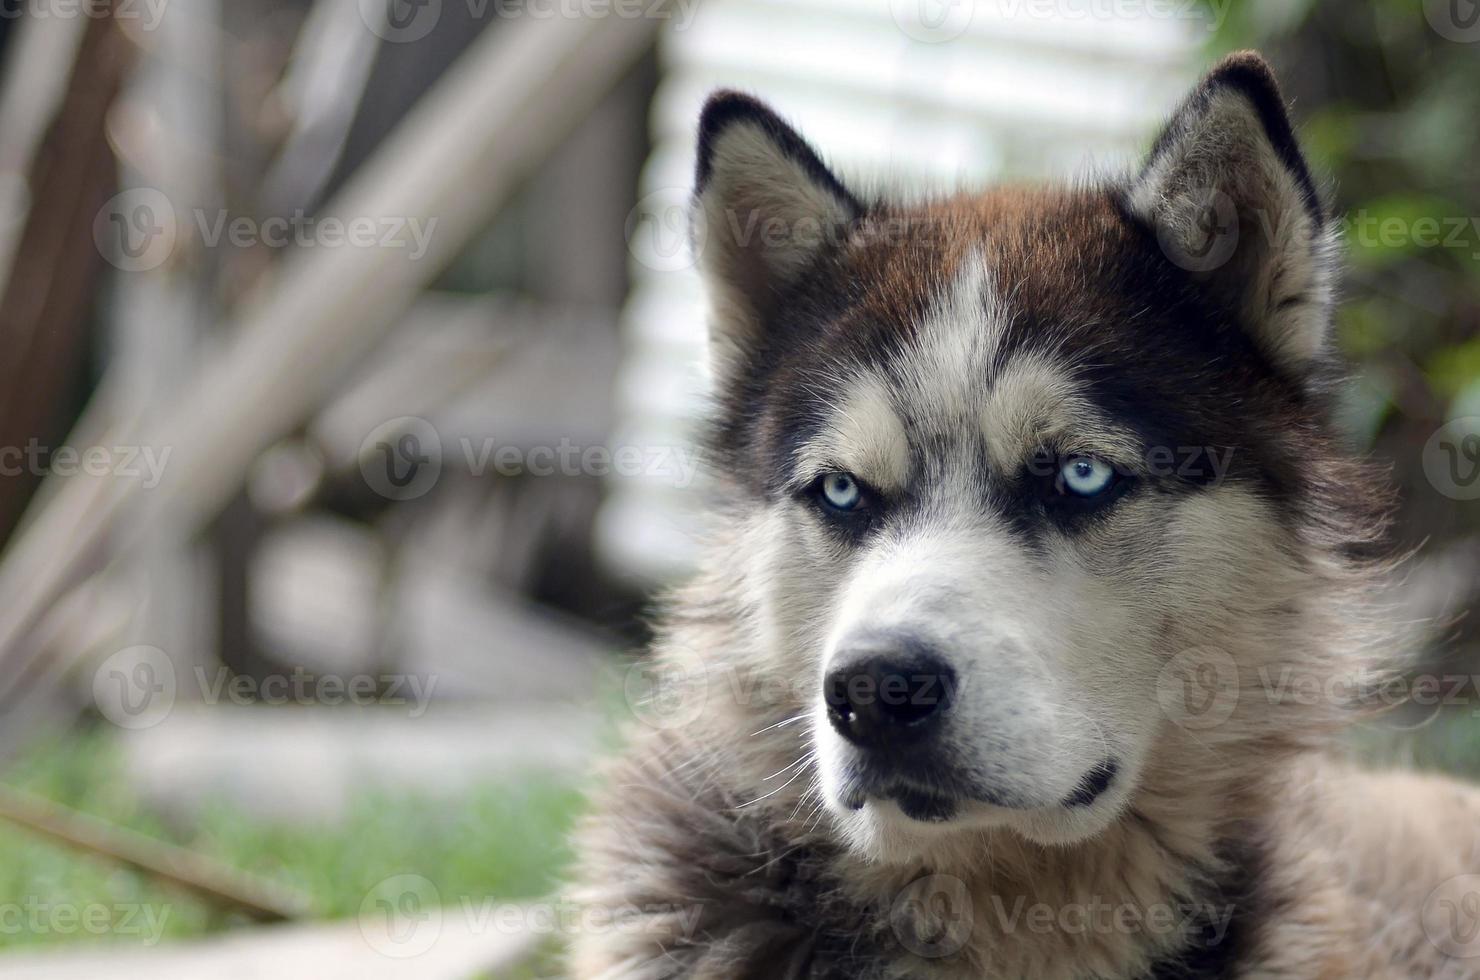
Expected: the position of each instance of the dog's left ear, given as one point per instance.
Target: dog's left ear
(1231, 200)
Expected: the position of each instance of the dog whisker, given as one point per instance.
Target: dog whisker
(787, 769)
(780, 724)
(795, 776)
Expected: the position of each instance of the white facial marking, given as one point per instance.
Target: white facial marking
(1050, 654)
(865, 438)
(953, 348)
(1033, 400)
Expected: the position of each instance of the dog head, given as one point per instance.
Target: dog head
(1001, 458)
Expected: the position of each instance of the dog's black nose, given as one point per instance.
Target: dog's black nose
(877, 699)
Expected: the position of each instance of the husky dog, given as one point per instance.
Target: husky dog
(1042, 591)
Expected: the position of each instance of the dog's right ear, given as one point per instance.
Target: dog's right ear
(766, 209)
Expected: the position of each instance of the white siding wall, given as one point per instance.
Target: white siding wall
(894, 92)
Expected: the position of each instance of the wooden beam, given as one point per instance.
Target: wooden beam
(215, 883)
(462, 152)
(54, 265)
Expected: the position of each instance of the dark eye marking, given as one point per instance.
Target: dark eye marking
(1070, 487)
(844, 502)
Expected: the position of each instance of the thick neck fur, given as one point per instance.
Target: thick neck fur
(1142, 899)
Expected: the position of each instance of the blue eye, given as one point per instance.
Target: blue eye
(1086, 476)
(841, 491)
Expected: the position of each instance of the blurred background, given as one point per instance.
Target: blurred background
(351, 353)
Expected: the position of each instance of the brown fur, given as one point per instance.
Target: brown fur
(1346, 860)
(710, 841)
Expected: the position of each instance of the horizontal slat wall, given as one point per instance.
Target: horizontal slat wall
(1024, 90)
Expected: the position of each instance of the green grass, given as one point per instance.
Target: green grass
(1447, 742)
(498, 843)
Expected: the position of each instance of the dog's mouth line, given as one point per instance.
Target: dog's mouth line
(1093, 785)
(928, 804)
(935, 804)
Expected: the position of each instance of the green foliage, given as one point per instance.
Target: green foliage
(1387, 108)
